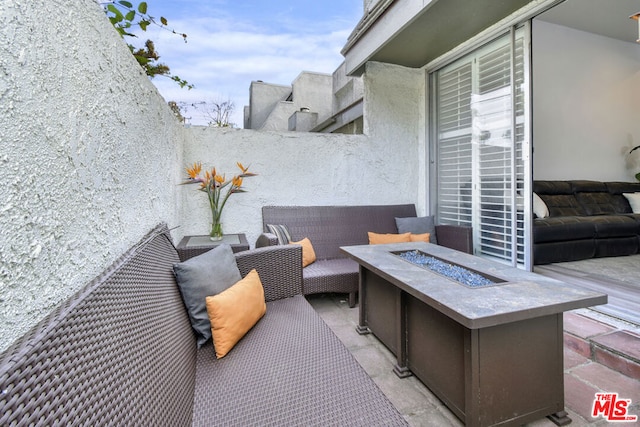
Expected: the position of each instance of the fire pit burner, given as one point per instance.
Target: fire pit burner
(451, 271)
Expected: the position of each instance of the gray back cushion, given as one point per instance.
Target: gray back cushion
(418, 225)
(205, 275)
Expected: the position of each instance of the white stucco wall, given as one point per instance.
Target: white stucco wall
(586, 105)
(270, 111)
(314, 91)
(89, 155)
(263, 98)
(394, 116)
(347, 89)
(296, 168)
(278, 118)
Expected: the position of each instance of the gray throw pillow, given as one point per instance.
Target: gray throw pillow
(205, 275)
(418, 225)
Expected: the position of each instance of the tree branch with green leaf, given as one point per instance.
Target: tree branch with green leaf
(125, 18)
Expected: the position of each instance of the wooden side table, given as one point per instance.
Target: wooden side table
(191, 246)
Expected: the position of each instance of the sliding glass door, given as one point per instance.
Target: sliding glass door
(481, 146)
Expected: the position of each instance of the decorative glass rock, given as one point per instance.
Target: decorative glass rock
(451, 271)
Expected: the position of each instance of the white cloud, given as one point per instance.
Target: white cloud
(223, 55)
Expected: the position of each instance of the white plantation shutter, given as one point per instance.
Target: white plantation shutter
(454, 156)
(480, 130)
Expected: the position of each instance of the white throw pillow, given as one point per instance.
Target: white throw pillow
(634, 201)
(540, 207)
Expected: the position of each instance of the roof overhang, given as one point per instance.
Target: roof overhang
(412, 33)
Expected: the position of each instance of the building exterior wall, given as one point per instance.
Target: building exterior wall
(394, 116)
(303, 120)
(263, 98)
(278, 118)
(314, 91)
(90, 155)
(315, 102)
(347, 90)
(271, 106)
(296, 168)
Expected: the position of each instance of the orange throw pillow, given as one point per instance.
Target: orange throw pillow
(421, 237)
(379, 239)
(308, 254)
(235, 311)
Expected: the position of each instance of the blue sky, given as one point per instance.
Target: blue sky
(231, 43)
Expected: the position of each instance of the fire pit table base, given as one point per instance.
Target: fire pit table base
(514, 370)
(504, 367)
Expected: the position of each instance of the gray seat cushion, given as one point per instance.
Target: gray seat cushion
(288, 370)
(330, 275)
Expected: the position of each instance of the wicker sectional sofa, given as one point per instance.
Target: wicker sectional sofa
(330, 227)
(584, 219)
(122, 352)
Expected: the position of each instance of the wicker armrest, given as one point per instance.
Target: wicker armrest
(266, 239)
(279, 268)
(455, 237)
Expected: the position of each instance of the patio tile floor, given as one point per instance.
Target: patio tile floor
(585, 374)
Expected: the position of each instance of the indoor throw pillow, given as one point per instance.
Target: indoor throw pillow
(634, 201)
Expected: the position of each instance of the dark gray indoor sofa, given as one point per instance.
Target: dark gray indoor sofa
(122, 353)
(329, 227)
(586, 219)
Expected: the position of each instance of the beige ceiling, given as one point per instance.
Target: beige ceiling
(609, 18)
(447, 23)
(441, 27)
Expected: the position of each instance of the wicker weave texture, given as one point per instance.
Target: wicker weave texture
(121, 352)
(334, 275)
(329, 227)
(266, 239)
(289, 370)
(186, 253)
(279, 268)
(456, 237)
(189, 249)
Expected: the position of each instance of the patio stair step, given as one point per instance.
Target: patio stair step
(606, 344)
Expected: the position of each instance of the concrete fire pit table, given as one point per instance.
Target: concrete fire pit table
(493, 354)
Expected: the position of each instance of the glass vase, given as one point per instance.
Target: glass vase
(216, 231)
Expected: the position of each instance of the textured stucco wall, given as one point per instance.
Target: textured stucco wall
(314, 91)
(270, 110)
(89, 155)
(278, 118)
(297, 169)
(394, 117)
(263, 98)
(348, 89)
